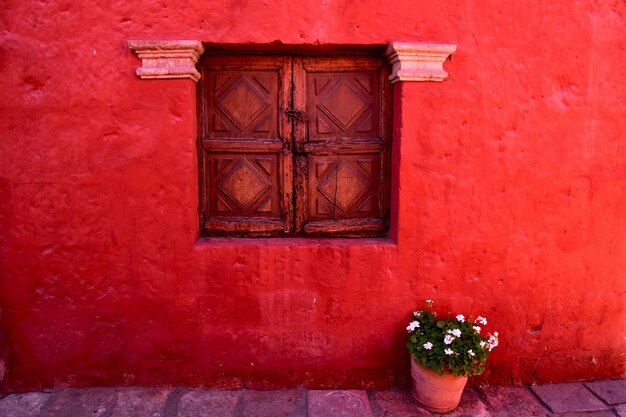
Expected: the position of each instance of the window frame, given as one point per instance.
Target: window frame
(293, 132)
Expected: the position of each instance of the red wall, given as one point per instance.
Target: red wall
(510, 201)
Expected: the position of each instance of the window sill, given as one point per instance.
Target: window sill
(209, 243)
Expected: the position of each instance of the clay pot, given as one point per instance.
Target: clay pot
(434, 392)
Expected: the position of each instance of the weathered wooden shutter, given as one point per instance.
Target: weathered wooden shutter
(341, 146)
(293, 145)
(245, 146)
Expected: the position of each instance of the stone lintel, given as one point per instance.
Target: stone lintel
(167, 58)
(418, 61)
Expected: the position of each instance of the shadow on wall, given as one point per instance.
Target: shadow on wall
(3, 355)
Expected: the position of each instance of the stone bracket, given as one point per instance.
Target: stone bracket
(411, 61)
(418, 61)
(167, 58)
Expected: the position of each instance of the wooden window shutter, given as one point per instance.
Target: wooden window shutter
(341, 143)
(293, 145)
(245, 153)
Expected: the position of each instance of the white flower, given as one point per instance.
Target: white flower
(448, 339)
(470, 352)
(417, 313)
(448, 351)
(477, 328)
(493, 341)
(460, 318)
(412, 326)
(455, 332)
(481, 320)
(429, 301)
(483, 344)
(428, 346)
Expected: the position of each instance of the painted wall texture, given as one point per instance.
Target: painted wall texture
(509, 201)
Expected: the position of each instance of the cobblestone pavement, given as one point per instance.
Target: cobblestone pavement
(591, 399)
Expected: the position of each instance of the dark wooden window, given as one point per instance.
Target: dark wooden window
(292, 145)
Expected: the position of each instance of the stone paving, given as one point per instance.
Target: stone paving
(577, 399)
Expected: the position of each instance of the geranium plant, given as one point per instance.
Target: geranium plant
(452, 345)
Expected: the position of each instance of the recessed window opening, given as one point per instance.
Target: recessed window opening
(294, 145)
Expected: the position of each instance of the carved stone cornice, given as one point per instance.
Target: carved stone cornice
(167, 59)
(418, 61)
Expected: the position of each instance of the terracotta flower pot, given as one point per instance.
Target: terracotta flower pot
(434, 392)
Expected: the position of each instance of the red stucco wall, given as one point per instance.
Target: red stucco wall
(510, 201)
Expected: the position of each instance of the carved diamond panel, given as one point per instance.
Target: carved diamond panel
(244, 185)
(343, 106)
(343, 187)
(241, 103)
